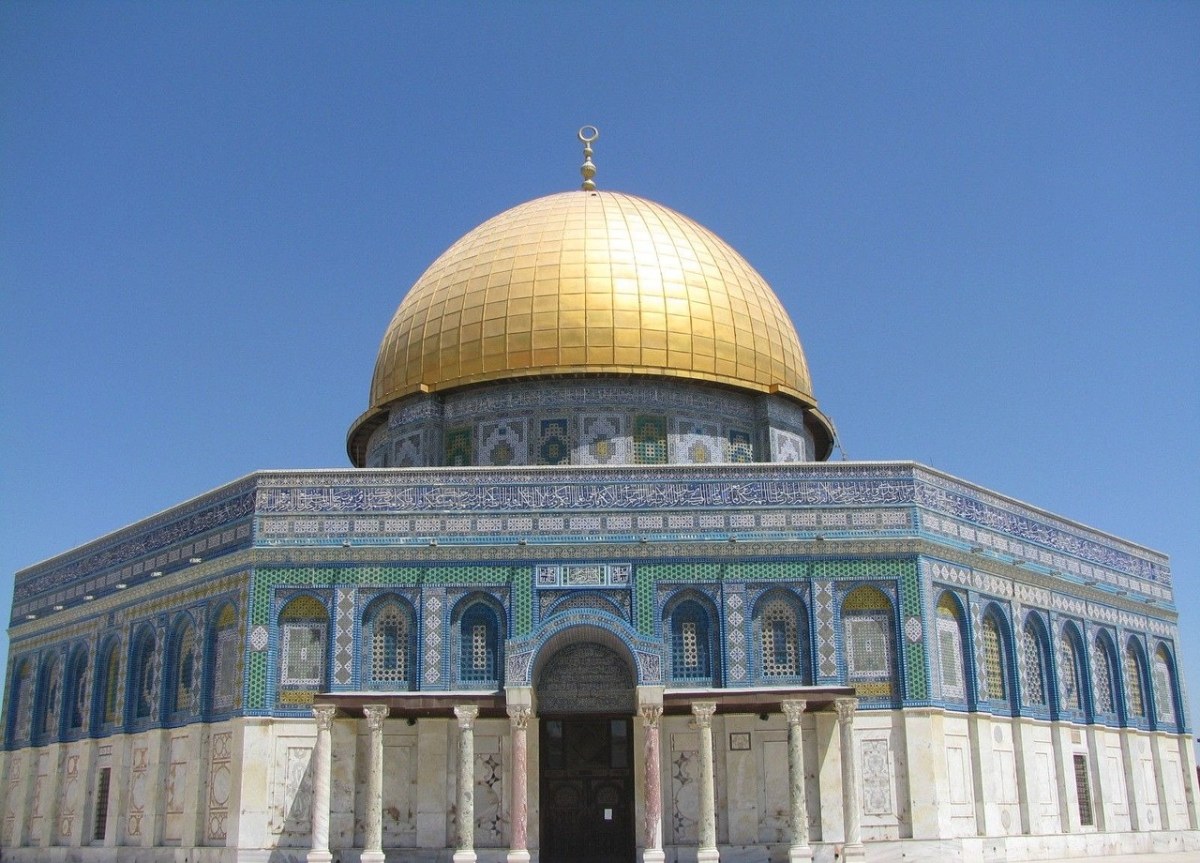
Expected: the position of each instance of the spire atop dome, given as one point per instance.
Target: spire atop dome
(587, 135)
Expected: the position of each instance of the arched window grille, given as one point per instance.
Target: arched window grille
(870, 642)
(1104, 695)
(1070, 697)
(108, 685)
(993, 676)
(77, 690)
(480, 645)
(389, 662)
(1135, 674)
(781, 627)
(303, 625)
(1164, 688)
(691, 642)
(183, 694)
(50, 699)
(20, 702)
(951, 668)
(1034, 687)
(226, 674)
(143, 680)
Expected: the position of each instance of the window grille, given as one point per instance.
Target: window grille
(1102, 672)
(479, 645)
(1033, 668)
(303, 654)
(143, 680)
(993, 660)
(690, 642)
(184, 695)
(390, 648)
(112, 671)
(779, 639)
(1083, 791)
(21, 707)
(950, 656)
(870, 653)
(51, 698)
(1133, 683)
(1069, 683)
(77, 692)
(227, 655)
(100, 825)
(1164, 701)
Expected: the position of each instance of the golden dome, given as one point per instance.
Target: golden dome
(588, 282)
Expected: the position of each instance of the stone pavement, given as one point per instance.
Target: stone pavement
(1174, 857)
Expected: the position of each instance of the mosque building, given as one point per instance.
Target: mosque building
(592, 592)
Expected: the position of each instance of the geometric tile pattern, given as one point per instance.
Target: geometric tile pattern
(345, 612)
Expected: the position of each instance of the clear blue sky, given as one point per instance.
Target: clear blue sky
(984, 219)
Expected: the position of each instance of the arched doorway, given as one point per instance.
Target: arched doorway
(585, 700)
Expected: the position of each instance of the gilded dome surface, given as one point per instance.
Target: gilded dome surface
(589, 282)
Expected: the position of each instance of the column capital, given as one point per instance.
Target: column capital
(793, 710)
(375, 714)
(650, 714)
(845, 708)
(519, 716)
(466, 714)
(702, 712)
(323, 713)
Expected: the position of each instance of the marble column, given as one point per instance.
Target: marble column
(800, 849)
(702, 713)
(373, 850)
(518, 722)
(466, 714)
(851, 782)
(322, 765)
(653, 839)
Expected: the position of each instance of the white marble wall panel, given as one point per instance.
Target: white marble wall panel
(683, 808)
(960, 797)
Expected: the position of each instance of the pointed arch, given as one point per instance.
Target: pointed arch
(1071, 675)
(690, 621)
(995, 684)
(1104, 679)
(478, 623)
(183, 669)
(303, 648)
(142, 688)
(1035, 663)
(107, 691)
(1166, 701)
(870, 641)
(20, 701)
(75, 713)
(224, 677)
(48, 706)
(781, 637)
(950, 628)
(1136, 681)
(390, 644)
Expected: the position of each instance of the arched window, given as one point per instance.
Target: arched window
(77, 690)
(1070, 696)
(392, 637)
(870, 642)
(691, 634)
(1034, 653)
(143, 677)
(49, 699)
(1135, 677)
(20, 702)
(1164, 688)
(951, 668)
(225, 676)
(183, 685)
(303, 625)
(480, 653)
(108, 685)
(1104, 690)
(993, 672)
(781, 625)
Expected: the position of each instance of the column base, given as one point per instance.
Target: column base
(855, 852)
(372, 857)
(320, 857)
(464, 856)
(708, 855)
(654, 855)
(800, 854)
(521, 856)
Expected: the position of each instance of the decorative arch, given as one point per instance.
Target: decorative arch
(224, 675)
(995, 684)
(48, 706)
(868, 624)
(477, 630)
(950, 619)
(389, 639)
(142, 688)
(303, 648)
(75, 714)
(1136, 681)
(1035, 663)
(1166, 693)
(20, 701)
(689, 619)
(107, 691)
(781, 637)
(183, 669)
(1071, 673)
(576, 674)
(1104, 679)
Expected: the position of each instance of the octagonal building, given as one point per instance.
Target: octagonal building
(591, 592)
